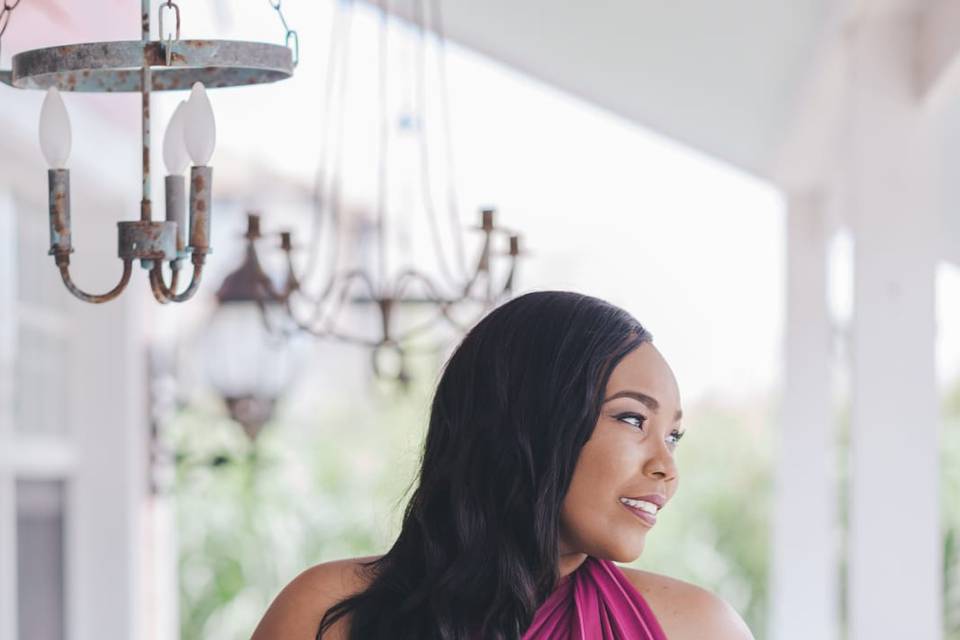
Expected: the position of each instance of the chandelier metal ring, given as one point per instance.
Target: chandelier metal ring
(116, 66)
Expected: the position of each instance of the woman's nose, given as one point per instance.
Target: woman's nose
(661, 465)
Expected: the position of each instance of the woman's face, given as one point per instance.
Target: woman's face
(629, 455)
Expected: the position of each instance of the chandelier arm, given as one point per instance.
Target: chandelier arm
(261, 277)
(63, 263)
(486, 303)
(174, 274)
(325, 333)
(267, 285)
(485, 307)
(156, 289)
(302, 325)
(323, 313)
(294, 285)
(413, 275)
(348, 280)
(411, 332)
(482, 268)
(426, 183)
(348, 339)
(272, 330)
(293, 282)
(156, 279)
(156, 284)
(468, 288)
(443, 312)
(456, 324)
(321, 321)
(195, 278)
(442, 304)
(507, 289)
(315, 316)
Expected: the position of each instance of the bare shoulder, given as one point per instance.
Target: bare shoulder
(296, 611)
(685, 610)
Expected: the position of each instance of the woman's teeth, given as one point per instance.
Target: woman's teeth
(649, 507)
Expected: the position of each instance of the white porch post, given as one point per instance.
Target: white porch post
(895, 547)
(109, 418)
(803, 572)
(8, 508)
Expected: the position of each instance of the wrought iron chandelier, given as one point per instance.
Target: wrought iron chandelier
(316, 309)
(145, 65)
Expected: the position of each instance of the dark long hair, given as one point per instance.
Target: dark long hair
(478, 550)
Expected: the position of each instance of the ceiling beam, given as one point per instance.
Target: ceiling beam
(807, 155)
(938, 54)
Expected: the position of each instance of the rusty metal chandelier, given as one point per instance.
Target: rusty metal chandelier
(145, 66)
(454, 301)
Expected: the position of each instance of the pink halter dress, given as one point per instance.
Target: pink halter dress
(595, 602)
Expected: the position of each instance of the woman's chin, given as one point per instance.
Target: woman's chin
(627, 550)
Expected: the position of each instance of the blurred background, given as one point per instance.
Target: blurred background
(763, 185)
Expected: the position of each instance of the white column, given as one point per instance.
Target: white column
(8, 332)
(109, 419)
(804, 564)
(895, 545)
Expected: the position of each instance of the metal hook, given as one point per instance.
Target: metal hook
(168, 48)
(296, 45)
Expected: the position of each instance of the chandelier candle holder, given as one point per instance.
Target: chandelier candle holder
(145, 66)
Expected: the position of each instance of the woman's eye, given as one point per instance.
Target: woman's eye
(635, 419)
(675, 437)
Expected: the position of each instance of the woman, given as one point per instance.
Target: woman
(552, 435)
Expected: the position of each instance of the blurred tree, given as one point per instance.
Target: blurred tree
(950, 505)
(308, 490)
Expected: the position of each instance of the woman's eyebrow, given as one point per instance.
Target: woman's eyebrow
(651, 402)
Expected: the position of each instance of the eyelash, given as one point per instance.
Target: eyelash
(677, 435)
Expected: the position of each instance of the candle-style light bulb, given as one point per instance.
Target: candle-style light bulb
(175, 155)
(54, 130)
(199, 127)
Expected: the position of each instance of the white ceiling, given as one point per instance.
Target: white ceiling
(721, 77)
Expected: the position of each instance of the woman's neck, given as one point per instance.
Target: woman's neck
(570, 562)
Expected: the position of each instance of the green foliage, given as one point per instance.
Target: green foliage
(308, 491)
(950, 510)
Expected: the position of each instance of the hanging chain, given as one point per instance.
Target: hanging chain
(8, 7)
(170, 5)
(291, 35)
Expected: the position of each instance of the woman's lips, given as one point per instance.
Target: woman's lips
(647, 518)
